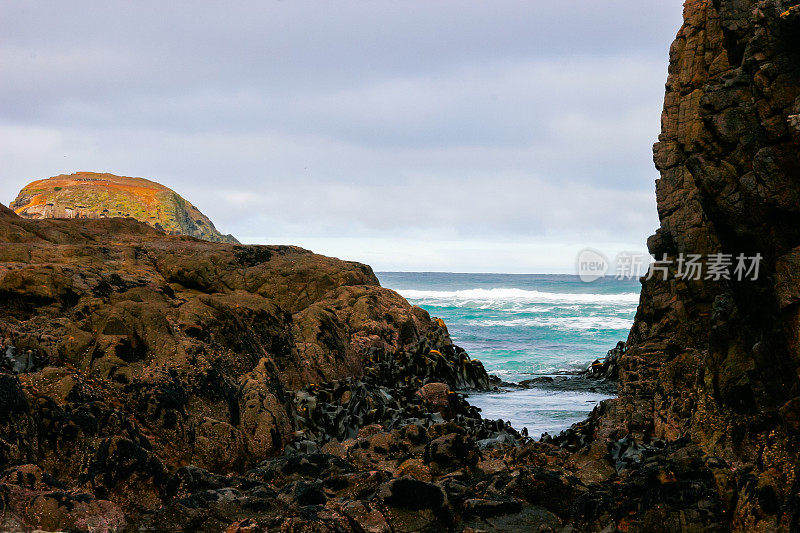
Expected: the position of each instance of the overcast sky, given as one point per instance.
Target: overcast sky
(471, 136)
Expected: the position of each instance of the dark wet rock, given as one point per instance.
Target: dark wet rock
(551, 489)
(410, 493)
(206, 511)
(530, 518)
(314, 466)
(451, 450)
(528, 383)
(305, 493)
(572, 382)
(366, 517)
(626, 453)
(578, 435)
(498, 384)
(12, 398)
(17, 426)
(489, 508)
(608, 367)
(670, 486)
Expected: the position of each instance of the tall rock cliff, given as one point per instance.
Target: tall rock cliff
(718, 361)
(102, 195)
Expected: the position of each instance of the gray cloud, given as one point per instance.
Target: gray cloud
(476, 122)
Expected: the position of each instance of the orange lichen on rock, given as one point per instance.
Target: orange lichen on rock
(103, 195)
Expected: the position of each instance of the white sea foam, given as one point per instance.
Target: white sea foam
(539, 410)
(563, 323)
(515, 296)
(534, 369)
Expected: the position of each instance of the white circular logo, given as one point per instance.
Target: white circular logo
(591, 265)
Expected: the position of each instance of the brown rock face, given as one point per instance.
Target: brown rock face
(126, 353)
(718, 361)
(103, 195)
(436, 395)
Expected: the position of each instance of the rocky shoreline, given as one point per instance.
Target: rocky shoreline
(601, 376)
(162, 383)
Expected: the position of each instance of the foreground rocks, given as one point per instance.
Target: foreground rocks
(127, 354)
(164, 383)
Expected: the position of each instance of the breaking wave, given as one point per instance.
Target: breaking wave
(565, 323)
(511, 296)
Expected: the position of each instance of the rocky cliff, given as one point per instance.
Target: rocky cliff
(96, 195)
(718, 361)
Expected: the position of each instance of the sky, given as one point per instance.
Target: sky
(470, 136)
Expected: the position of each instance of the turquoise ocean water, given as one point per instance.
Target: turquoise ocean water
(523, 326)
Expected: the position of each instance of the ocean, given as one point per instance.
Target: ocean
(523, 326)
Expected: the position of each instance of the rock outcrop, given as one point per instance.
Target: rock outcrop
(102, 195)
(127, 353)
(717, 361)
(154, 382)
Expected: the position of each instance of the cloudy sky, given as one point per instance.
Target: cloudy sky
(470, 136)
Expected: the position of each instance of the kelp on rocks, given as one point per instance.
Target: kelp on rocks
(389, 394)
